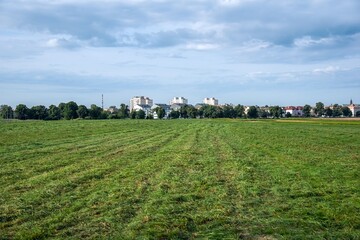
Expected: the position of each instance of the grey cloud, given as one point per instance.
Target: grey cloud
(171, 23)
(281, 22)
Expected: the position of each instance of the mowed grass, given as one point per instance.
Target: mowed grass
(180, 179)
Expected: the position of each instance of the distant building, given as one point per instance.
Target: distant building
(294, 111)
(145, 107)
(177, 106)
(181, 100)
(163, 106)
(199, 105)
(140, 100)
(211, 101)
(111, 109)
(354, 108)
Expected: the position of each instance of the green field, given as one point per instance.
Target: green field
(180, 179)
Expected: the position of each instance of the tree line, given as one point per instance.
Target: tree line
(72, 110)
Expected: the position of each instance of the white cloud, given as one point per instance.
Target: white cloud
(308, 41)
(202, 46)
(328, 69)
(62, 43)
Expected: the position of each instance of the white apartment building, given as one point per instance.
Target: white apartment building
(140, 100)
(211, 101)
(181, 100)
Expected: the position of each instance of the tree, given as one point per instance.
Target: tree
(160, 112)
(200, 112)
(357, 114)
(288, 115)
(95, 112)
(253, 112)
(104, 114)
(21, 112)
(228, 111)
(133, 114)
(192, 111)
(54, 113)
(346, 112)
(210, 111)
(39, 112)
(61, 106)
(263, 113)
(184, 112)
(276, 111)
(328, 112)
(337, 110)
(123, 111)
(70, 109)
(174, 114)
(239, 111)
(140, 114)
(82, 111)
(319, 109)
(307, 110)
(6, 112)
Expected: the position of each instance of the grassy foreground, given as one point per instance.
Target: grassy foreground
(181, 179)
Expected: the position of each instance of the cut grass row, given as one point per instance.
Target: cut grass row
(179, 179)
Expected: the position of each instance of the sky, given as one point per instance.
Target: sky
(250, 52)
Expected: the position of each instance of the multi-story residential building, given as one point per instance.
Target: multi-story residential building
(140, 100)
(211, 101)
(181, 100)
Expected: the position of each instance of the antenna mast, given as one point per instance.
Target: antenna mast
(102, 101)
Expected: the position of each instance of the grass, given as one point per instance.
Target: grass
(182, 179)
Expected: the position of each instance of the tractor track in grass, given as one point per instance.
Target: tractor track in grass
(88, 176)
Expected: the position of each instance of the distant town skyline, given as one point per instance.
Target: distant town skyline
(240, 51)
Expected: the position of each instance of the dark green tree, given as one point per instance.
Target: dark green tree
(95, 112)
(276, 111)
(337, 110)
(288, 115)
(54, 113)
(228, 111)
(319, 109)
(253, 112)
(21, 112)
(191, 111)
(61, 106)
(307, 110)
(263, 113)
(70, 109)
(239, 111)
(184, 111)
(39, 112)
(174, 114)
(6, 112)
(211, 111)
(104, 114)
(357, 114)
(346, 112)
(328, 112)
(140, 114)
(133, 114)
(160, 112)
(82, 111)
(124, 111)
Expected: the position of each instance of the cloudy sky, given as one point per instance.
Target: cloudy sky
(239, 51)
